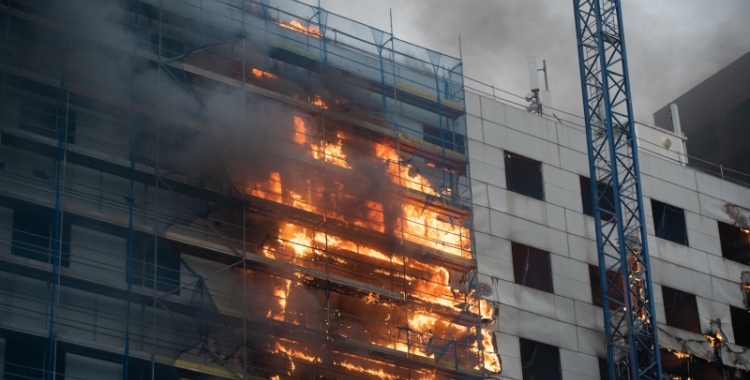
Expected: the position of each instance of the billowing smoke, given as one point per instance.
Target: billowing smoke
(672, 45)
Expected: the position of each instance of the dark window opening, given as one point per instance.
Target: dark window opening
(603, 369)
(741, 326)
(735, 243)
(614, 294)
(739, 119)
(675, 365)
(681, 310)
(24, 358)
(539, 361)
(607, 203)
(703, 141)
(33, 235)
(669, 222)
(531, 267)
(167, 263)
(453, 141)
(524, 176)
(41, 118)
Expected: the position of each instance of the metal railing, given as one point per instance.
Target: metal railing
(714, 169)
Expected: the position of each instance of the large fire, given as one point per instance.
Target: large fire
(433, 287)
(412, 305)
(298, 27)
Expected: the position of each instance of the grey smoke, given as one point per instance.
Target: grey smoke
(672, 44)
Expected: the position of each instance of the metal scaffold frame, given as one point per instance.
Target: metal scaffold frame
(166, 267)
(624, 271)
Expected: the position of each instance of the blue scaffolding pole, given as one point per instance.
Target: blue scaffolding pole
(624, 271)
(131, 195)
(57, 243)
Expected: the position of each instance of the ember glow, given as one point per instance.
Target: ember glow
(298, 27)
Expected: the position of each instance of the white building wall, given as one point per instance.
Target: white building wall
(567, 319)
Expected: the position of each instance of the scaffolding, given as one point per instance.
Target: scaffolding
(232, 189)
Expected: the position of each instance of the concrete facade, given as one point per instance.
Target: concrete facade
(566, 318)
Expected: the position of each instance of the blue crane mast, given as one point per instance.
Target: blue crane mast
(624, 271)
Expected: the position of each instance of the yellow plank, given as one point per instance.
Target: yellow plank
(428, 95)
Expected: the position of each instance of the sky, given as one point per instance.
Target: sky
(672, 45)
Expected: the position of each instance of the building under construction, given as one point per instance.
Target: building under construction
(205, 189)
(232, 189)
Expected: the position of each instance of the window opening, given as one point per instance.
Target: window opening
(669, 222)
(167, 265)
(735, 243)
(453, 141)
(33, 235)
(596, 288)
(531, 267)
(524, 176)
(741, 326)
(587, 199)
(539, 361)
(681, 310)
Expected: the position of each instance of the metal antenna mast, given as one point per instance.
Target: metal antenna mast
(624, 271)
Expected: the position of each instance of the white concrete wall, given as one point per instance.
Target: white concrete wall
(568, 319)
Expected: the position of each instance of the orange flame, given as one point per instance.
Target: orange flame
(379, 373)
(294, 354)
(491, 359)
(428, 228)
(271, 190)
(330, 152)
(317, 101)
(281, 292)
(405, 175)
(260, 74)
(321, 150)
(298, 27)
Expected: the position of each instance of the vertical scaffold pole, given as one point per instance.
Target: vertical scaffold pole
(56, 252)
(131, 194)
(624, 271)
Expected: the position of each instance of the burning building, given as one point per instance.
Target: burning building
(234, 189)
(204, 189)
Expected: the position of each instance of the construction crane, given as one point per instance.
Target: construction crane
(624, 271)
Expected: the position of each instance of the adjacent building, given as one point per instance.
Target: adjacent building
(536, 248)
(715, 117)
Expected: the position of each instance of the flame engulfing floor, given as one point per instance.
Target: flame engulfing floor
(390, 299)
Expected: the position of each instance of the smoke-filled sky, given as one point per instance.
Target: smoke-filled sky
(672, 45)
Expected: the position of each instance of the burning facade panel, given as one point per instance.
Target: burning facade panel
(235, 189)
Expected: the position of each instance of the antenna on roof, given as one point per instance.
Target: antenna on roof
(536, 104)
